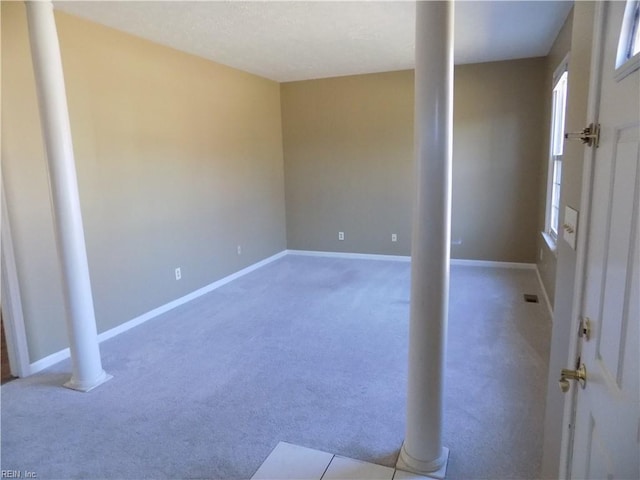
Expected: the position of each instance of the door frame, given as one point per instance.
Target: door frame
(574, 347)
(12, 315)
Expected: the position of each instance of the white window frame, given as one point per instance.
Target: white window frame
(626, 60)
(556, 152)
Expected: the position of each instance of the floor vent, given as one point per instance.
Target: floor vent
(529, 298)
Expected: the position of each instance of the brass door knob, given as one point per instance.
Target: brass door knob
(580, 375)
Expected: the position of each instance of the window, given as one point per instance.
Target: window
(628, 55)
(634, 32)
(558, 109)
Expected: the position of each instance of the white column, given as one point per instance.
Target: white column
(81, 324)
(422, 451)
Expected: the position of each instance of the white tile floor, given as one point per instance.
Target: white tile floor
(291, 462)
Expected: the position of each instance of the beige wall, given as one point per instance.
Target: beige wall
(348, 150)
(546, 258)
(179, 161)
(348, 147)
(496, 144)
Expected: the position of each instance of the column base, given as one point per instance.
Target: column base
(87, 386)
(409, 464)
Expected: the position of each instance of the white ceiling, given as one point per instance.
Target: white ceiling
(300, 40)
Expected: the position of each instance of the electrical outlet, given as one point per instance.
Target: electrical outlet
(178, 273)
(239, 250)
(340, 235)
(394, 237)
(541, 254)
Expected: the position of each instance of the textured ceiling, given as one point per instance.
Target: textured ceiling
(299, 40)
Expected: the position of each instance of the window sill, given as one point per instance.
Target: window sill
(628, 67)
(551, 243)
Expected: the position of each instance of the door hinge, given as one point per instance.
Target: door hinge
(589, 135)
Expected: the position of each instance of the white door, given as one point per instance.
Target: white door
(607, 416)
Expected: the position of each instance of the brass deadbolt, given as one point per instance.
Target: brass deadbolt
(589, 135)
(580, 375)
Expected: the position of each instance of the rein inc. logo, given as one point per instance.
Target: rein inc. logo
(18, 474)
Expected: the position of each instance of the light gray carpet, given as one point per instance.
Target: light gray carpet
(306, 350)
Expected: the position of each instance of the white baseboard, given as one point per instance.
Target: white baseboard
(404, 258)
(355, 256)
(490, 263)
(544, 293)
(65, 353)
(186, 298)
(48, 361)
